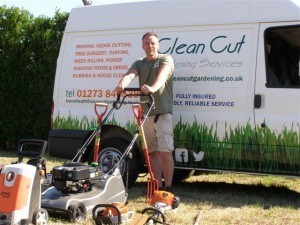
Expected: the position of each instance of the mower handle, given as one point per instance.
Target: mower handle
(132, 89)
(150, 95)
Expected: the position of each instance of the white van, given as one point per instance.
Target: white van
(236, 82)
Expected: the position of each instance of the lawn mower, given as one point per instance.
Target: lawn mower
(160, 202)
(78, 187)
(20, 186)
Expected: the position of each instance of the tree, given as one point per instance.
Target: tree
(29, 48)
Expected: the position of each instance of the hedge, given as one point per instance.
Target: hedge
(29, 48)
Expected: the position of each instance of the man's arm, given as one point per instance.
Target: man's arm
(125, 81)
(163, 74)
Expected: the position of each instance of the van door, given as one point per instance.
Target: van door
(277, 99)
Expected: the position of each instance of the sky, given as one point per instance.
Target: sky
(47, 7)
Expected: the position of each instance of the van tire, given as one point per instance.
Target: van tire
(113, 149)
(181, 175)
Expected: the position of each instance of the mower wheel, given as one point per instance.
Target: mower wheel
(77, 212)
(40, 217)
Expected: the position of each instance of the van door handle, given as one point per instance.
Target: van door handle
(257, 101)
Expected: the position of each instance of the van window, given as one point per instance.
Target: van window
(282, 57)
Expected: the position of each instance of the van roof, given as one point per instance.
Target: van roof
(168, 13)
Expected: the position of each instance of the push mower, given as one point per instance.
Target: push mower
(78, 187)
(20, 186)
(159, 202)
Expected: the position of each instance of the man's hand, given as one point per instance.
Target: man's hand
(119, 89)
(126, 79)
(145, 89)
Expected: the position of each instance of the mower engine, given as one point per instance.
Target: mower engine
(74, 177)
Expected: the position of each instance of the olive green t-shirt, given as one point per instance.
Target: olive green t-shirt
(147, 72)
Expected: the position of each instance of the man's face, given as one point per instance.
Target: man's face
(150, 45)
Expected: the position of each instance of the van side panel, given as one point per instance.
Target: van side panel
(213, 85)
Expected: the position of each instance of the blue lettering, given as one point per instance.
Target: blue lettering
(228, 47)
(217, 45)
(181, 48)
(212, 45)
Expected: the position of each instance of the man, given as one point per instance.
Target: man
(155, 73)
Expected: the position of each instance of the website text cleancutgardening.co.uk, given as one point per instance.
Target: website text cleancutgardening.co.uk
(209, 78)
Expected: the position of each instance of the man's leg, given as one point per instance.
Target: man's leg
(155, 161)
(165, 144)
(162, 163)
(167, 167)
(161, 137)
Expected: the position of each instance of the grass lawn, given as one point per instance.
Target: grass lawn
(223, 199)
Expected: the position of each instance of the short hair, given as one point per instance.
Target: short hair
(149, 34)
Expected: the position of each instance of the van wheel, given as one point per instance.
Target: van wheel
(181, 175)
(111, 151)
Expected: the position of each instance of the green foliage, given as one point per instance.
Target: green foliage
(29, 48)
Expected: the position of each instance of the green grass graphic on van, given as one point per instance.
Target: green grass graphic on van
(243, 148)
(61, 122)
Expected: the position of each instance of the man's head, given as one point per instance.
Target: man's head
(150, 45)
